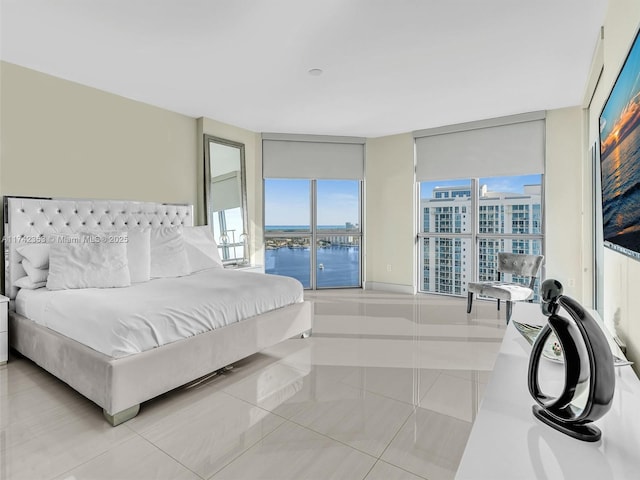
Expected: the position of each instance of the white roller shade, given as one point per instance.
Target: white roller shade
(309, 159)
(502, 147)
(225, 192)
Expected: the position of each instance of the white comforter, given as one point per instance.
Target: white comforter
(123, 321)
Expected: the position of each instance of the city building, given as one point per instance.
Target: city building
(448, 261)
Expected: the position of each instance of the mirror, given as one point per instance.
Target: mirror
(226, 197)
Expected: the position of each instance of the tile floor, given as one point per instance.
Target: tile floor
(386, 388)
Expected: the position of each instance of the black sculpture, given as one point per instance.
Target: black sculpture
(588, 365)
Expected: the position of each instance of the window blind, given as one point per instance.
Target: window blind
(225, 192)
(490, 148)
(314, 157)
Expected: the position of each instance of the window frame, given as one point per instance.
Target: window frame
(474, 235)
(313, 235)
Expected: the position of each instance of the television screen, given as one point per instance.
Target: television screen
(620, 159)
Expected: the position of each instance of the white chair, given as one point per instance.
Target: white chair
(516, 264)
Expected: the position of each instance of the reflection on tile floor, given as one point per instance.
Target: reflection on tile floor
(387, 387)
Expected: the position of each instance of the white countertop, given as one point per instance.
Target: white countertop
(508, 442)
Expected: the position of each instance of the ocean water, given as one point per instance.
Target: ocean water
(341, 265)
(621, 193)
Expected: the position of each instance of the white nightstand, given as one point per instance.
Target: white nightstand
(246, 268)
(4, 329)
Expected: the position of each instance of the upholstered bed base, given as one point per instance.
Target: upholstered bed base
(119, 385)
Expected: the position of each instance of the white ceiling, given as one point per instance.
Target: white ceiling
(390, 66)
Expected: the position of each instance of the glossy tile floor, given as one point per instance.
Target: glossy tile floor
(386, 388)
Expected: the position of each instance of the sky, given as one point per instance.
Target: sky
(287, 202)
(513, 184)
(626, 87)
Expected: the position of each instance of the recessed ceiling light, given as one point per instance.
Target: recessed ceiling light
(316, 72)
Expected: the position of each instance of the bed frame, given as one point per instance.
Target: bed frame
(119, 385)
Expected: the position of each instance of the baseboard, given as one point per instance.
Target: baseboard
(389, 287)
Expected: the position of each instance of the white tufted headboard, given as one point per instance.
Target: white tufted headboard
(28, 220)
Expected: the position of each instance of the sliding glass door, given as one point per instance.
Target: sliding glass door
(337, 233)
(312, 231)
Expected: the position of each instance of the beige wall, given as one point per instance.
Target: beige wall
(253, 162)
(621, 274)
(390, 213)
(565, 239)
(63, 139)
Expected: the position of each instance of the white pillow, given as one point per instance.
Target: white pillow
(168, 256)
(139, 254)
(138, 249)
(36, 253)
(36, 275)
(201, 248)
(25, 282)
(85, 261)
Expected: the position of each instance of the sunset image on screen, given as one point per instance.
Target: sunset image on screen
(620, 157)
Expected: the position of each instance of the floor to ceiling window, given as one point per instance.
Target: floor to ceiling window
(455, 244)
(338, 234)
(312, 231)
(445, 234)
(287, 228)
(464, 223)
(312, 211)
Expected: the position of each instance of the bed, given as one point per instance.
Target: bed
(120, 347)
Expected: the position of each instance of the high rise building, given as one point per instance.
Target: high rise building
(448, 259)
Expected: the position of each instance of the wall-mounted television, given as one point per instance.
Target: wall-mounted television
(620, 159)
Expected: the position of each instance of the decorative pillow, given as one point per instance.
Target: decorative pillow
(201, 248)
(25, 282)
(36, 275)
(168, 255)
(138, 249)
(139, 254)
(87, 261)
(36, 253)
